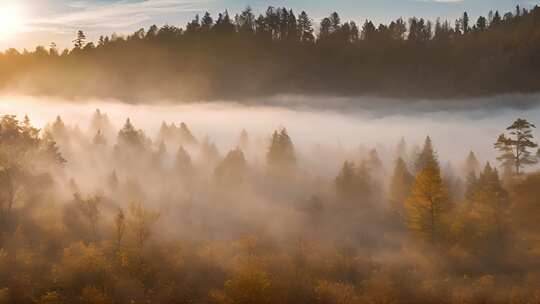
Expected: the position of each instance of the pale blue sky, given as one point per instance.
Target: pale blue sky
(44, 21)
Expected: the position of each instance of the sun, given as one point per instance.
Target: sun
(11, 20)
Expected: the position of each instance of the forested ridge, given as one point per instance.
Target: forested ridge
(282, 52)
(107, 215)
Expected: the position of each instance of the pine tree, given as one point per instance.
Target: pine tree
(305, 28)
(354, 183)
(281, 154)
(183, 161)
(426, 156)
(99, 139)
(373, 161)
(186, 137)
(346, 180)
(79, 41)
(243, 141)
(428, 203)
(128, 136)
(401, 149)
(400, 187)
(490, 201)
(515, 149)
(232, 169)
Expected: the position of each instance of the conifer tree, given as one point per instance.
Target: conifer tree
(401, 149)
(400, 187)
(472, 165)
(243, 141)
(281, 154)
(514, 149)
(99, 139)
(373, 161)
(186, 137)
(427, 155)
(346, 180)
(490, 202)
(183, 160)
(232, 169)
(428, 204)
(128, 136)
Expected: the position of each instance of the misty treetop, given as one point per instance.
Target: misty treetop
(281, 51)
(108, 215)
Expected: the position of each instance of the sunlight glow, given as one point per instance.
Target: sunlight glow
(11, 20)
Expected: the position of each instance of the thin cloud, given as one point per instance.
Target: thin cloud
(116, 15)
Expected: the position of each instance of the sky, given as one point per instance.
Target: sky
(28, 23)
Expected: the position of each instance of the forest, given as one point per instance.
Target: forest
(240, 57)
(106, 215)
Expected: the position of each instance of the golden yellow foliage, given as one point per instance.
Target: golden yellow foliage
(428, 203)
(327, 292)
(51, 297)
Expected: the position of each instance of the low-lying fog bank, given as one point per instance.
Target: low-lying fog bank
(457, 126)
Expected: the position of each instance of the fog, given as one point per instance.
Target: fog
(312, 213)
(456, 126)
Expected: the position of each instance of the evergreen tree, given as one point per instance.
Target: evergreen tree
(128, 136)
(427, 155)
(490, 201)
(305, 28)
(465, 23)
(281, 154)
(428, 204)
(354, 184)
(400, 187)
(186, 137)
(232, 169)
(99, 139)
(183, 161)
(209, 152)
(472, 165)
(401, 149)
(207, 22)
(243, 141)
(79, 42)
(346, 181)
(515, 148)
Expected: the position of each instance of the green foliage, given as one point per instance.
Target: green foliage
(515, 149)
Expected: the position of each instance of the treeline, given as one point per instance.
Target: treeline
(107, 216)
(280, 52)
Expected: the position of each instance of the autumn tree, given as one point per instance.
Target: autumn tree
(427, 155)
(120, 225)
(428, 204)
(355, 183)
(90, 208)
(99, 139)
(232, 169)
(515, 148)
(21, 149)
(129, 137)
(183, 161)
(141, 222)
(186, 137)
(100, 122)
(281, 154)
(243, 141)
(472, 165)
(209, 152)
(491, 202)
(400, 187)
